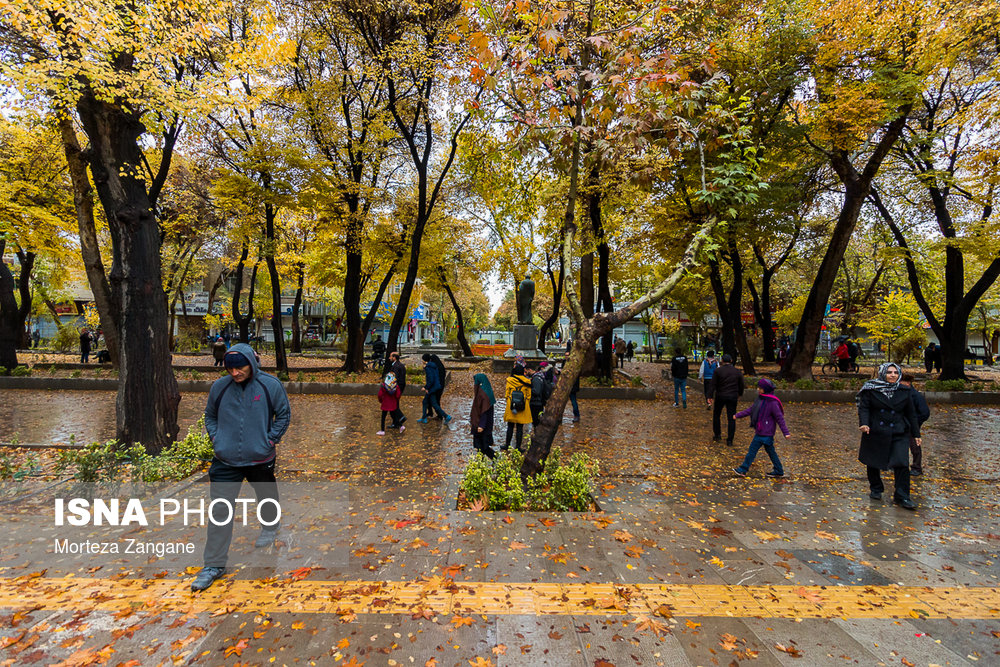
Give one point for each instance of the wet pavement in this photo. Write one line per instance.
(687, 564)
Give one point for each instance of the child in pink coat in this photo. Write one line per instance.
(388, 395)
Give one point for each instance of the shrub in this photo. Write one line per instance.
(67, 338)
(499, 341)
(805, 383)
(483, 341)
(75, 374)
(300, 376)
(21, 371)
(837, 384)
(188, 342)
(425, 342)
(110, 462)
(946, 385)
(557, 487)
(283, 376)
(17, 470)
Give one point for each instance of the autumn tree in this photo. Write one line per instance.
(950, 154)
(127, 73)
(337, 95)
(34, 205)
(646, 83)
(867, 67)
(409, 44)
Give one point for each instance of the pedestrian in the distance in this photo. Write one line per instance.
(572, 399)
(481, 416)
(443, 375)
(246, 415)
(517, 399)
(395, 366)
(929, 357)
(659, 351)
(388, 396)
(219, 350)
(432, 386)
(84, 346)
(539, 394)
(706, 373)
(576, 388)
(36, 336)
(726, 390)
(679, 370)
(766, 416)
(630, 351)
(619, 350)
(923, 414)
(887, 420)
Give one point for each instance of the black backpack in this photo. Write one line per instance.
(516, 401)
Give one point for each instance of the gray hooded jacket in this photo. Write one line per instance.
(246, 421)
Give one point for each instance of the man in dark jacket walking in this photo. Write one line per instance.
(246, 415)
(923, 414)
(539, 394)
(84, 346)
(727, 388)
(433, 385)
(679, 371)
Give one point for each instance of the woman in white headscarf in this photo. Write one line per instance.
(887, 420)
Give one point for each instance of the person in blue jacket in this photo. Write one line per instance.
(434, 383)
(246, 415)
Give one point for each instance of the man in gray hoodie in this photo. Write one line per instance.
(246, 415)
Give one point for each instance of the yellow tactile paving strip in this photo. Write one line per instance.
(444, 596)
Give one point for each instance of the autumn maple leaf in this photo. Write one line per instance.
(643, 623)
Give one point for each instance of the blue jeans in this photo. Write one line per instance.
(431, 403)
(768, 444)
(576, 406)
(681, 385)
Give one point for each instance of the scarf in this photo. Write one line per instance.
(480, 380)
(880, 384)
(390, 383)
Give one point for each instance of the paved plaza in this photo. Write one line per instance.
(684, 564)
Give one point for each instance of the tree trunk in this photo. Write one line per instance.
(463, 343)
(857, 185)
(146, 407)
(296, 328)
(373, 311)
(758, 315)
(214, 289)
(736, 309)
(243, 320)
(557, 287)
(354, 359)
(722, 304)
(83, 202)
(803, 349)
(10, 334)
(951, 330)
(587, 284)
(27, 261)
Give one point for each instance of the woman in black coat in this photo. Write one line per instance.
(887, 420)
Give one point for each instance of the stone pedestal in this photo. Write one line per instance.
(525, 344)
(526, 339)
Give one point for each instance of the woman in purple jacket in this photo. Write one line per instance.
(766, 416)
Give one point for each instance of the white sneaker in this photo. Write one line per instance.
(380, 433)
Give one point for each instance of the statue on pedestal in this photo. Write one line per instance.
(525, 295)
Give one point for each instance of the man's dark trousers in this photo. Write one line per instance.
(729, 404)
(226, 482)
